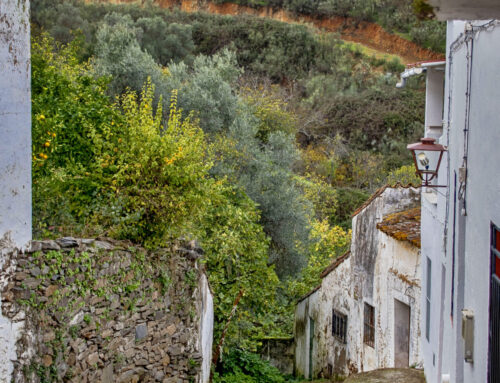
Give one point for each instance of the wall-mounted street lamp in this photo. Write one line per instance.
(427, 157)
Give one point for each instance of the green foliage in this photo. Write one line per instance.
(349, 199)
(327, 243)
(268, 107)
(239, 366)
(219, 161)
(119, 55)
(206, 89)
(74, 124)
(166, 42)
(153, 185)
(160, 170)
(405, 175)
(423, 9)
(236, 258)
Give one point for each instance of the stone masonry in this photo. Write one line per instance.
(106, 311)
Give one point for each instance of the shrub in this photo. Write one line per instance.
(239, 366)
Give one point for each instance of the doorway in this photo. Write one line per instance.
(401, 334)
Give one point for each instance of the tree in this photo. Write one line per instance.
(119, 55)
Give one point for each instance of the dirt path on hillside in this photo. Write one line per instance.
(368, 34)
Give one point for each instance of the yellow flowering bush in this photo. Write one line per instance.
(161, 177)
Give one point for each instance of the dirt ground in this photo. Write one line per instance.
(389, 375)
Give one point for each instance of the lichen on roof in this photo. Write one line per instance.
(403, 226)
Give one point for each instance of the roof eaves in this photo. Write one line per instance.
(336, 263)
(309, 293)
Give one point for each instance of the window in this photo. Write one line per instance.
(339, 326)
(369, 318)
(494, 333)
(428, 282)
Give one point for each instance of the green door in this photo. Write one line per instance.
(311, 346)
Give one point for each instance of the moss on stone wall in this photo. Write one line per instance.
(104, 311)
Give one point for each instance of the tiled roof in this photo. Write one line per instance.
(404, 226)
(335, 264)
(379, 192)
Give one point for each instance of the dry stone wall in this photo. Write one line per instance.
(107, 311)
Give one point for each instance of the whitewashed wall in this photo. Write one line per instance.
(206, 328)
(456, 235)
(15, 122)
(15, 152)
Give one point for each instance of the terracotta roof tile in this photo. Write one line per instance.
(404, 226)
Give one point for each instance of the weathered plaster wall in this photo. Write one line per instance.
(398, 278)
(107, 311)
(335, 293)
(305, 310)
(15, 151)
(15, 121)
(207, 327)
(369, 267)
(378, 270)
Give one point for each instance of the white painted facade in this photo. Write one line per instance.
(15, 153)
(381, 271)
(456, 220)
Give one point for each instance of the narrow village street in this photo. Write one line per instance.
(386, 375)
(389, 375)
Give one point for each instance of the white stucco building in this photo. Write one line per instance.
(460, 235)
(365, 314)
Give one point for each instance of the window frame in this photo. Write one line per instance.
(369, 325)
(339, 323)
(494, 306)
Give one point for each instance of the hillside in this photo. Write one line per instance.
(366, 33)
(369, 34)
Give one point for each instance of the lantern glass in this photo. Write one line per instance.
(427, 161)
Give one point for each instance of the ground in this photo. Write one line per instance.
(389, 375)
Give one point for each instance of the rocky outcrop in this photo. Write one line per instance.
(107, 311)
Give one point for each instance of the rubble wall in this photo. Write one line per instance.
(107, 311)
